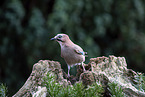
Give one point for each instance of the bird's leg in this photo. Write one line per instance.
(83, 66)
(68, 70)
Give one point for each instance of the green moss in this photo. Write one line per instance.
(3, 90)
(143, 83)
(139, 82)
(77, 90)
(115, 90)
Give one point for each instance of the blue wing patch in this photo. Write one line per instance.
(83, 53)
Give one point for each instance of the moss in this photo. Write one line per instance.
(3, 90)
(115, 90)
(77, 90)
(139, 81)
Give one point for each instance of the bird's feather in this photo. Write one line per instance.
(72, 53)
(79, 50)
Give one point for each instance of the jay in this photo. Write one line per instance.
(72, 53)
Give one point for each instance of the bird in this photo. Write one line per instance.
(72, 53)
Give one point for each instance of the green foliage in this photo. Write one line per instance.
(93, 90)
(143, 82)
(3, 90)
(139, 82)
(100, 27)
(115, 90)
(78, 90)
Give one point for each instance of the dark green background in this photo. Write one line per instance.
(100, 27)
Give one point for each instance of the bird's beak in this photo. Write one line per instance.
(53, 39)
(56, 38)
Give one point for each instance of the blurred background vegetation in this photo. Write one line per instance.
(100, 27)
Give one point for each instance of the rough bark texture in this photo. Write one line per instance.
(101, 69)
(40, 70)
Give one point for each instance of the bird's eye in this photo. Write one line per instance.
(59, 36)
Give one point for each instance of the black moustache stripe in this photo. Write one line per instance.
(59, 39)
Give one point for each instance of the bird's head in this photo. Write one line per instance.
(61, 38)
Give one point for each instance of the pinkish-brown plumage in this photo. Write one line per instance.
(72, 53)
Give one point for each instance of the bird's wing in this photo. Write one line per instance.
(79, 50)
